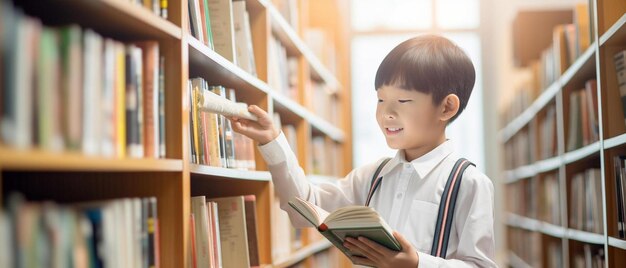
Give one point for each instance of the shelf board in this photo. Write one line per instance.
(527, 115)
(288, 36)
(229, 173)
(582, 153)
(304, 253)
(286, 104)
(521, 173)
(586, 237)
(208, 64)
(615, 141)
(522, 222)
(583, 69)
(616, 34)
(552, 230)
(120, 19)
(40, 160)
(617, 243)
(517, 262)
(548, 164)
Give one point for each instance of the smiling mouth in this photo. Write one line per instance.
(391, 130)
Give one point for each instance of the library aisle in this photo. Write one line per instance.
(116, 150)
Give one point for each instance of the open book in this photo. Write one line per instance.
(211, 102)
(350, 221)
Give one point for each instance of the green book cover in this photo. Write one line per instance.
(349, 221)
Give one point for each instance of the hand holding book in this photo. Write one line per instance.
(360, 233)
(262, 130)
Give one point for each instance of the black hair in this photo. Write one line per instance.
(430, 64)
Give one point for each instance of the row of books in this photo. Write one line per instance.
(110, 233)
(67, 88)
(322, 45)
(325, 103)
(549, 203)
(583, 124)
(585, 201)
(223, 232)
(592, 256)
(285, 238)
(547, 129)
(522, 202)
(570, 41)
(620, 70)
(619, 164)
(289, 10)
(327, 157)
(518, 150)
(224, 26)
(282, 74)
(158, 7)
(212, 139)
(526, 245)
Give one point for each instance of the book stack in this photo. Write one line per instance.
(282, 70)
(619, 163)
(109, 233)
(592, 256)
(212, 139)
(548, 131)
(223, 232)
(583, 117)
(549, 203)
(158, 7)
(321, 44)
(289, 10)
(326, 157)
(518, 150)
(620, 70)
(585, 201)
(224, 26)
(68, 88)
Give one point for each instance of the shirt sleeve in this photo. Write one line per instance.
(474, 221)
(290, 181)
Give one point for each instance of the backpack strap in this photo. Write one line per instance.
(375, 181)
(446, 208)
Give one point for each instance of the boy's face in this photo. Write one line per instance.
(408, 118)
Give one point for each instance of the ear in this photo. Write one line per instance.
(449, 107)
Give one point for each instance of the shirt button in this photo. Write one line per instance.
(407, 165)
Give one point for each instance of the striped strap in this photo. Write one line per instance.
(375, 182)
(446, 208)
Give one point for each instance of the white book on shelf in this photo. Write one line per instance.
(213, 103)
(196, 19)
(222, 27)
(92, 87)
(200, 212)
(243, 38)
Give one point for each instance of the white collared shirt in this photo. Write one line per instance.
(408, 199)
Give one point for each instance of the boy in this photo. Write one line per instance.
(423, 84)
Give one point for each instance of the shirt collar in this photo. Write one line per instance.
(423, 164)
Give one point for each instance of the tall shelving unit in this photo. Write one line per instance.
(526, 179)
(73, 177)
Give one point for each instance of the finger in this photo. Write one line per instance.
(380, 249)
(353, 248)
(263, 116)
(362, 261)
(366, 250)
(406, 245)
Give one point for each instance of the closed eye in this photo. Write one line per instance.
(404, 101)
(379, 100)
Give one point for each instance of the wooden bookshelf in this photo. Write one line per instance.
(74, 177)
(596, 62)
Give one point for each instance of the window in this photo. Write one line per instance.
(376, 33)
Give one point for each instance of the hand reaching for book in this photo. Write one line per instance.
(382, 257)
(262, 131)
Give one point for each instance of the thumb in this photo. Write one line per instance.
(406, 245)
(261, 114)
